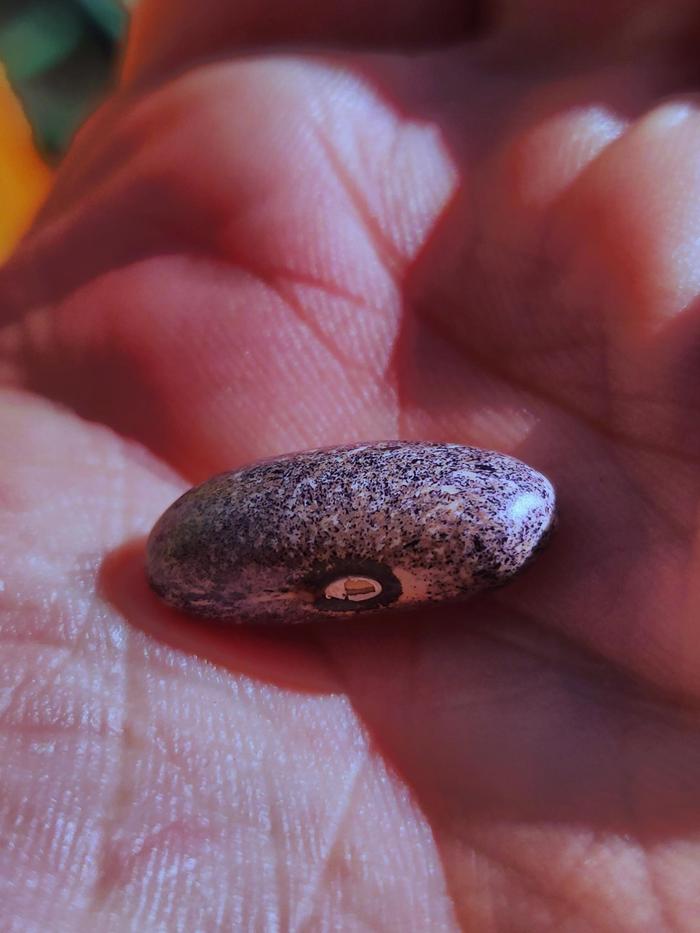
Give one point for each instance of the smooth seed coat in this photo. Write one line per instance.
(349, 530)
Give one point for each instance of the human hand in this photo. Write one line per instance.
(479, 232)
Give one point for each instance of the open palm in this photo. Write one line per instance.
(492, 240)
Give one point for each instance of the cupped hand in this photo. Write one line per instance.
(292, 227)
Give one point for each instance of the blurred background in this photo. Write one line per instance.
(57, 60)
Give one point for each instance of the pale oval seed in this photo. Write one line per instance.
(348, 530)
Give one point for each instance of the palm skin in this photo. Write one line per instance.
(492, 242)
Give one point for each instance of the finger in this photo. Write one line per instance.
(624, 239)
(168, 35)
(252, 280)
(594, 309)
(630, 228)
(601, 27)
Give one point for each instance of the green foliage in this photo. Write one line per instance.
(108, 15)
(38, 38)
(59, 56)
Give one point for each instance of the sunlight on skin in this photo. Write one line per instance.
(129, 768)
(493, 242)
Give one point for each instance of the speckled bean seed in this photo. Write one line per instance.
(348, 530)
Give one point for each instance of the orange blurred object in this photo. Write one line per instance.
(24, 177)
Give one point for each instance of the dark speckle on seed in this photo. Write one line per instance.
(349, 530)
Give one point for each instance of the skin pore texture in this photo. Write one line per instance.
(479, 226)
